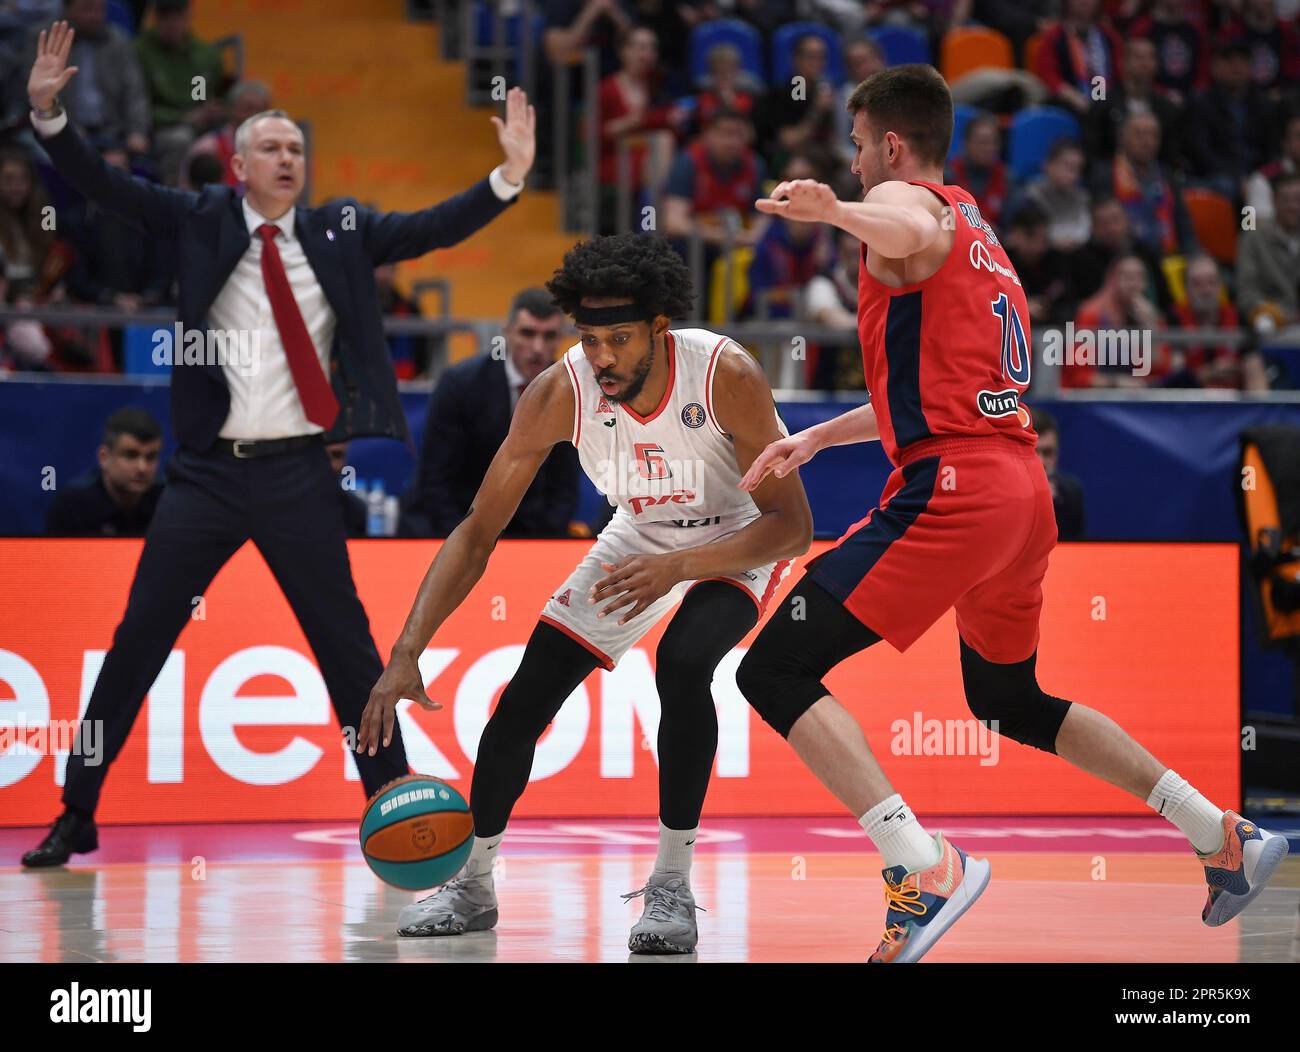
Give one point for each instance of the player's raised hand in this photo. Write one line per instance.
(805, 200)
(517, 135)
(400, 679)
(50, 72)
(780, 458)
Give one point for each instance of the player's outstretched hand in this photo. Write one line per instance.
(806, 200)
(50, 72)
(401, 679)
(517, 135)
(641, 579)
(779, 458)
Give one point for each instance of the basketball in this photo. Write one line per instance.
(416, 832)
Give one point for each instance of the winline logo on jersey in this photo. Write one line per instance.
(1123, 348)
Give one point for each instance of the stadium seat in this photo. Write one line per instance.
(742, 35)
(1215, 223)
(1031, 51)
(485, 29)
(962, 114)
(137, 351)
(1032, 134)
(973, 47)
(901, 44)
(784, 40)
(119, 14)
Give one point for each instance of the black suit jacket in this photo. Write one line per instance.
(343, 242)
(469, 417)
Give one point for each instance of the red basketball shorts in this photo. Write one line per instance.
(962, 522)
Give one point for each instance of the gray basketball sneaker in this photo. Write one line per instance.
(462, 905)
(667, 923)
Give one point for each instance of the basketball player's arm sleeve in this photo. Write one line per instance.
(892, 220)
(543, 418)
(745, 410)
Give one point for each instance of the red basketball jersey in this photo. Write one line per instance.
(949, 355)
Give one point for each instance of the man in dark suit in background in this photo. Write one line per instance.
(469, 416)
(117, 498)
(1067, 491)
(279, 349)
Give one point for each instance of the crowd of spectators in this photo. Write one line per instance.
(1184, 112)
(1174, 103)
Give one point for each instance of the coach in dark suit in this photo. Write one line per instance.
(469, 416)
(281, 349)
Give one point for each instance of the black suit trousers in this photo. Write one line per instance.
(287, 504)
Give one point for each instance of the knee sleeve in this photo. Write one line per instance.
(778, 685)
(811, 633)
(1008, 699)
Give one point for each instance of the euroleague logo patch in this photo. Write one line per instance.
(693, 415)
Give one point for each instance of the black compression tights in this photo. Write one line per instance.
(711, 620)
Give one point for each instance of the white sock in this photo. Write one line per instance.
(676, 851)
(898, 836)
(1198, 819)
(481, 857)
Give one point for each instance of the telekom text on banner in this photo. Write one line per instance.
(238, 725)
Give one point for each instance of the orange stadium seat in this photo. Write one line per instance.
(973, 47)
(1031, 51)
(1215, 223)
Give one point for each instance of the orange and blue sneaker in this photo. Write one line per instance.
(1239, 870)
(925, 904)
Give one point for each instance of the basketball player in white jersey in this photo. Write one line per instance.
(666, 422)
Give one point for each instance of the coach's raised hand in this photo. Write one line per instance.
(50, 72)
(517, 135)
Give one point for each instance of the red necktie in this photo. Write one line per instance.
(318, 401)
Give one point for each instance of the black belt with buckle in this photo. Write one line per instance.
(249, 448)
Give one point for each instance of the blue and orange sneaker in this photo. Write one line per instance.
(1239, 870)
(925, 904)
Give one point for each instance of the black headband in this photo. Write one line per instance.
(610, 315)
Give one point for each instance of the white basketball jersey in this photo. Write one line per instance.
(674, 464)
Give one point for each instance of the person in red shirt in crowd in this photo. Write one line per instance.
(727, 86)
(1077, 51)
(1274, 45)
(713, 184)
(1121, 307)
(633, 102)
(980, 168)
(1183, 58)
(245, 99)
(1212, 365)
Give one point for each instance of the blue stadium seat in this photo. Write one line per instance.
(137, 351)
(901, 44)
(1033, 132)
(483, 30)
(784, 40)
(120, 14)
(742, 35)
(962, 115)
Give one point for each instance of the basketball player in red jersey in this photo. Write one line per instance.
(965, 521)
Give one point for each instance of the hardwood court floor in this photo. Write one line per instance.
(775, 890)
